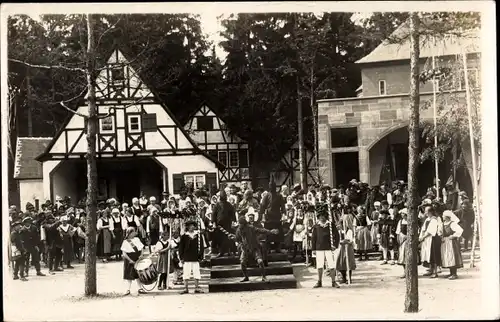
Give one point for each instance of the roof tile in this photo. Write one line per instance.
(27, 149)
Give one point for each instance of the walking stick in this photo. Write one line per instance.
(169, 253)
(306, 229)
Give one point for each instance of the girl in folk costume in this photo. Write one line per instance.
(402, 234)
(299, 232)
(363, 238)
(430, 240)
(374, 219)
(287, 222)
(162, 248)
(325, 241)
(450, 247)
(67, 231)
(105, 236)
(124, 210)
(153, 226)
(131, 250)
(136, 208)
(143, 201)
(387, 235)
(117, 241)
(310, 221)
(345, 262)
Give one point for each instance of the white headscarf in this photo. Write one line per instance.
(451, 215)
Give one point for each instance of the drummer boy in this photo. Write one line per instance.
(191, 250)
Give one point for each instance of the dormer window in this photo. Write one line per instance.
(205, 123)
(382, 89)
(118, 80)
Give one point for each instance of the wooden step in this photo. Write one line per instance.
(233, 284)
(233, 260)
(274, 268)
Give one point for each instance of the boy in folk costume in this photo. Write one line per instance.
(402, 234)
(387, 235)
(298, 227)
(18, 252)
(450, 247)
(325, 241)
(191, 250)
(31, 240)
(310, 221)
(247, 239)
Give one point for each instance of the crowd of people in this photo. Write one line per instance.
(236, 220)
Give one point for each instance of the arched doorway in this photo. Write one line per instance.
(388, 158)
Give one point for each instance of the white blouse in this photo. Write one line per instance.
(127, 247)
(432, 229)
(159, 245)
(457, 230)
(100, 224)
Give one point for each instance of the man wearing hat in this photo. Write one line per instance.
(248, 241)
(18, 252)
(222, 217)
(324, 242)
(54, 243)
(31, 238)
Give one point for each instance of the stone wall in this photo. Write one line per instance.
(375, 117)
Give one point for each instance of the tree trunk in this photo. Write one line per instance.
(302, 152)
(411, 250)
(30, 105)
(314, 109)
(91, 229)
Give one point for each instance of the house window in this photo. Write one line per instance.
(134, 123)
(223, 157)
(118, 74)
(233, 159)
(344, 137)
(382, 90)
(205, 123)
(196, 181)
(107, 124)
(149, 122)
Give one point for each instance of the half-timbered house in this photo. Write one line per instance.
(212, 136)
(140, 144)
(287, 172)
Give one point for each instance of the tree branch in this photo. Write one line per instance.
(74, 69)
(72, 111)
(106, 31)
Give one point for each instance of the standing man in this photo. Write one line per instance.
(54, 243)
(271, 209)
(18, 251)
(31, 239)
(222, 217)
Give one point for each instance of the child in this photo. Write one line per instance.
(345, 259)
(325, 240)
(402, 233)
(450, 247)
(132, 250)
(162, 248)
(191, 250)
(387, 235)
(374, 220)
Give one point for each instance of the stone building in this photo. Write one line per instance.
(366, 137)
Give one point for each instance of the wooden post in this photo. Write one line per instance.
(169, 252)
(434, 111)
(411, 250)
(473, 154)
(164, 172)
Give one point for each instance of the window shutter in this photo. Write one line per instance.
(243, 158)
(178, 183)
(211, 181)
(149, 122)
(213, 153)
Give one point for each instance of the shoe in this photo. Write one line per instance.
(184, 291)
(427, 274)
(402, 276)
(51, 272)
(393, 263)
(317, 285)
(453, 277)
(434, 276)
(126, 293)
(58, 270)
(24, 279)
(70, 267)
(383, 263)
(40, 274)
(160, 288)
(16, 278)
(245, 279)
(344, 281)
(141, 291)
(26, 274)
(447, 276)
(264, 279)
(335, 284)
(198, 291)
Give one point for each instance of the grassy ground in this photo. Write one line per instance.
(377, 292)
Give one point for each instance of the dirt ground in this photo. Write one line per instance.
(377, 292)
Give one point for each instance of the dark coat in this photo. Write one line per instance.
(223, 214)
(321, 240)
(31, 236)
(272, 206)
(191, 249)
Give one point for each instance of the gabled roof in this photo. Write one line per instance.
(42, 156)
(25, 164)
(429, 45)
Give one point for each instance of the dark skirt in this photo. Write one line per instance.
(104, 243)
(67, 249)
(162, 265)
(154, 236)
(345, 258)
(129, 272)
(435, 253)
(363, 238)
(401, 250)
(450, 254)
(387, 242)
(116, 243)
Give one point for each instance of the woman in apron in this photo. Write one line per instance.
(67, 231)
(450, 247)
(402, 233)
(431, 243)
(374, 226)
(363, 238)
(117, 232)
(131, 250)
(299, 232)
(104, 237)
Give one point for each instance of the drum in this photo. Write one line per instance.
(146, 270)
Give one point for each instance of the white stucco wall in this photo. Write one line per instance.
(48, 166)
(29, 190)
(186, 163)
